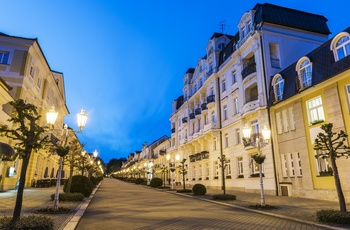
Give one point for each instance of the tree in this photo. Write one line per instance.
(329, 144)
(73, 159)
(183, 171)
(115, 165)
(223, 166)
(28, 136)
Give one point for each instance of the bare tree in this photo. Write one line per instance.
(332, 145)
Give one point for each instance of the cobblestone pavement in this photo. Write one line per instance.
(121, 205)
(33, 199)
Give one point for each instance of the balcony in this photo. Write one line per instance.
(248, 70)
(197, 112)
(248, 144)
(198, 156)
(204, 106)
(185, 120)
(192, 158)
(210, 126)
(249, 106)
(210, 100)
(205, 154)
(192, 116)
(173, 130)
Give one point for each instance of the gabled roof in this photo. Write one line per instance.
(217, 35)
(323, 67)
(290, 17)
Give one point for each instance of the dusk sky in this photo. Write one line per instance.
(123, 61)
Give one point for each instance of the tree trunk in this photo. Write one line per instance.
(223, 176)
(340, 194)
(69, 183)
(20, 190)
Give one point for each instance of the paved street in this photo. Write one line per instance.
(121, 205)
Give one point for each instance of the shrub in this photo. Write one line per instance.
(224, 197)
(138, 181)
(96, 180)
(69, 197)
(199, 189)
(80, 184)
(184, 191)
(333, 216)
(32, 222)
(156, 182)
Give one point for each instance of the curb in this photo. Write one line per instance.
(313, 224)
(73, 222)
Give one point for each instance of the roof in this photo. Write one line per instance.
(291, 18)
(323, 67)
(217, 35)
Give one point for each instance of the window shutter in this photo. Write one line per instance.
(279, 122)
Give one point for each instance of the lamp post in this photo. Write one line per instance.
(259, 158)
(168, 161)
(62, 150)
(83, 162)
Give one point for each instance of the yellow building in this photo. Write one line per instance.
(312, 91)
(25, 69)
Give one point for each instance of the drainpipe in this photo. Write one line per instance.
(220, 132)
(268, 111)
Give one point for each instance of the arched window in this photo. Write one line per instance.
(340, 45)
(278, 87)
(304, 69)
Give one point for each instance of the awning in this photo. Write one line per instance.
(6, 152)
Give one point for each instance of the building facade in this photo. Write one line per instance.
(26, 71)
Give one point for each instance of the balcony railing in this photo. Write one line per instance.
(184, 120)
(204, 106)
(192, 116)
(248, 70)
(173, 130)
(210, 99)
(197, 111)
(249, 106)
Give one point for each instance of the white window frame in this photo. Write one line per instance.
(223, 85)
(315, 110)
(304, 70)
(225, 112)
(4, 57)
(234, 76)
(213, 116)
(254, 167)
(291, 164)
(228, 171)
(278, 87)
(240, 166)
(238, 136)
(235, 106)
(322, 164)
(344, 46)
(226, 140)
(216, 169)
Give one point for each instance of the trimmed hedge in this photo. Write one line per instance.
(156, 182)
(69, 197)
(80, 184)
(139, 181)
(96, 180)
(199, 189)
(333, 216)
(224, 197)
(32, 222)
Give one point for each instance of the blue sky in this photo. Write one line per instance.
(123, 61)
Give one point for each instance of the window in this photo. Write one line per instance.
(240, 165)
(234, 77)
(216, 169)
(254, 167)
(291, 165)
(225, 112)
(278, 87)
(207, 170)
(213, 116)
(342, 47)
(284, 165)
(315, 110)
(32, 71)
(235, 106)
(214, 144)
(226, 140)
(255, 126)
(238, 136)
(211, 91)
(39, 82)
(4, 57)
(347, 92)
(221, 46)
(199, 171)
(223, 85)
(274, 55)
(228, 168)
(304, 70)
(323, 166)
(194, 172)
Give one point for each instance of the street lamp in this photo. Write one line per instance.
(95, 153)
(259, 158)
(62, 150)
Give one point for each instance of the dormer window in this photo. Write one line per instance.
(304, 70)
(278, 87)
(4, 57)
(221, 46)
(341, 46)
(210, 50)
